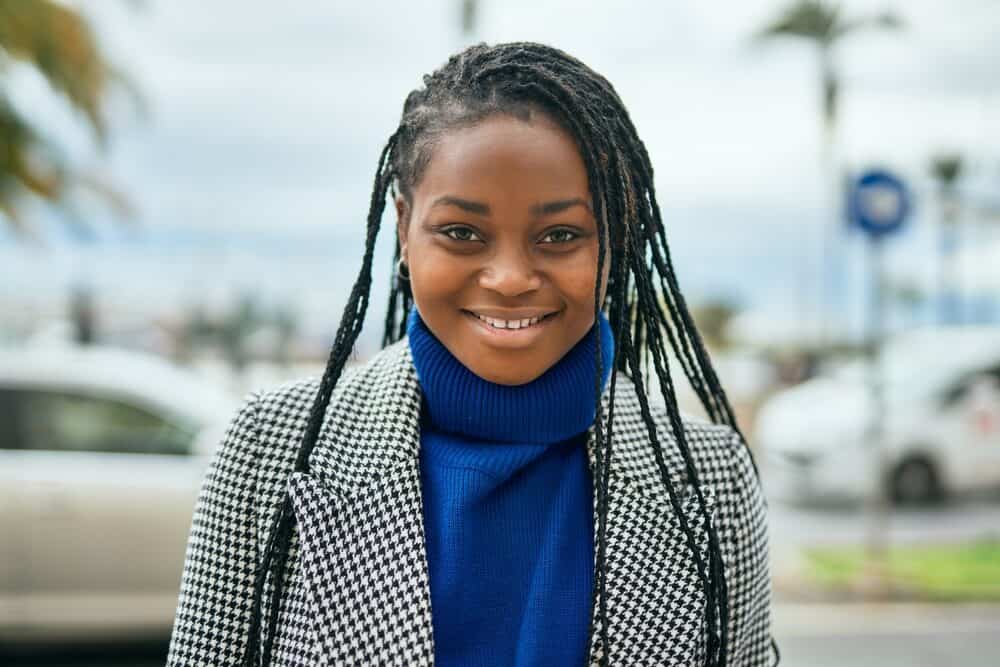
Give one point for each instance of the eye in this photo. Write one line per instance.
(560, 236)
(461, 234)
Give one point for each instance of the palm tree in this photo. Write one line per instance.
(824, 26)
(470, 16)
(57, 41)
(946, 169)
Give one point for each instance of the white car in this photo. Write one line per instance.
(102, 452)
(942, 423)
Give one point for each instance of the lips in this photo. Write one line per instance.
(511, 337)
(511, 323)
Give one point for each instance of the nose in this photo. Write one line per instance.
(510, 273)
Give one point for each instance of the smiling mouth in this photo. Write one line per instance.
(511, 325)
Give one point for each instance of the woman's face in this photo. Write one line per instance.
(501, 228)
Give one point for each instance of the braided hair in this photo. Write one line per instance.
(643, 298)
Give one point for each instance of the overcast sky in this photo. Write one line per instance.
(289, 109)
(267, 119)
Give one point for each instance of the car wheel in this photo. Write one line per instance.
(915, 482)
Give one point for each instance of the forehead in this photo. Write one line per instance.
(503, 158)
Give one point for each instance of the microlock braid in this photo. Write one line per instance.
(643, 298)
(276, 548)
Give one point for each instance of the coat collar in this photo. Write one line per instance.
(360, 519)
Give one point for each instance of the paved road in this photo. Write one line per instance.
(888, 635)
(971, 649)
(809, 635)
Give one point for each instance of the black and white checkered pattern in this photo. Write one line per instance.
(357, 589)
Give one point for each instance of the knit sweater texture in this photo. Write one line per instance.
(508, 505)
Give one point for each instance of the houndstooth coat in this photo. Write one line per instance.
(357, 585)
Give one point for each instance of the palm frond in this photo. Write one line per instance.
(883, 21)
(806, 19)
(32, 167)
(59, 42)
(56, 40)
(26, 160)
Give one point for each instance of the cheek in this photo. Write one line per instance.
(434, 276)
(576, 277)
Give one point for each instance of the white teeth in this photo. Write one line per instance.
(508, 324)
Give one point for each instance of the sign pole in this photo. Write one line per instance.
(879, 203)
(878, 498)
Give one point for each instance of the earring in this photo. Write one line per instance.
(402, 271)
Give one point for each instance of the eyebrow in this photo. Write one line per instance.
(548, 208)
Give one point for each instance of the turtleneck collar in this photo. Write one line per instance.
(553, 407)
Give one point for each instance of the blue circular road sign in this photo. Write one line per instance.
(878, 202)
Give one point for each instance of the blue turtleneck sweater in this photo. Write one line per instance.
(508, 508)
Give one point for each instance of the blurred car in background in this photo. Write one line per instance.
(942, 423)
(102, 452)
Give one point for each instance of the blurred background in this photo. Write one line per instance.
(183, 187)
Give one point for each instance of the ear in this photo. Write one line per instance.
(402, 223)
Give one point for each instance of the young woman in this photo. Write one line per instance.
(495, 486)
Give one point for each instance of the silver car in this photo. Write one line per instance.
(102, 452)
(942, 423)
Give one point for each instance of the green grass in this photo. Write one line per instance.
(959, 572)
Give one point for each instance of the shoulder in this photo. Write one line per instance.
(282, 411)
(719, 456)
(709, 443)
(726, 468)
(286, 406)
(715, 448)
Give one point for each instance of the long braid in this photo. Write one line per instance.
(276, 548)
(618, 276)
(603, 449)
(655, 344)
(400, 294)
(643, 295)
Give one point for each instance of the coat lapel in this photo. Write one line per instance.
(360, 521)
(365, 570)
(362, 551)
